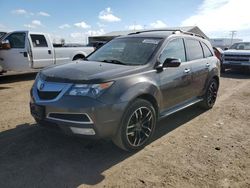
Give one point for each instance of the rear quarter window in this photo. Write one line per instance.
(38, 41)
(206, 50)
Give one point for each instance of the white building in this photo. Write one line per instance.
(223, 42)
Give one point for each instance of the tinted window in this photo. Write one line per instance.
(130, 51)
(194, 49)
(38, 41)
(17, 40)
(207, 52)
(241, 46)
(174, 49)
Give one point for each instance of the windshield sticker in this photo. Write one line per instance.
(151, 41)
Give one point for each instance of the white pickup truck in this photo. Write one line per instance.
(24, 51)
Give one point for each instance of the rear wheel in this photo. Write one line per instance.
(79, 57)
(137, 126)
(210, 95)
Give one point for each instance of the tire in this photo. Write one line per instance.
(211, 95)
(79, 57)
(133, 134)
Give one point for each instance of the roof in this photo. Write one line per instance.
(193, 29)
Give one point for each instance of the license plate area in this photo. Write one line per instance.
(37, 111)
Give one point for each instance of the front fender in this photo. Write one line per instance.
(142, 89)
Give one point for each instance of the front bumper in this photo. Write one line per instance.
(78, 115)
(236, 65)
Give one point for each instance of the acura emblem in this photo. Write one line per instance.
(41, 86)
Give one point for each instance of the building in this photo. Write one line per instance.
(109, 36)
(223, 42)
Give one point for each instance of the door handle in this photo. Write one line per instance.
(49, 51)
(187, 70)
(25, 54)
(207, 65)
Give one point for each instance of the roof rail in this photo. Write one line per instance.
(192, 34)
(174, 31)
(153, 30)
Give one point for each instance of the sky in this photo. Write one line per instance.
(75, 20)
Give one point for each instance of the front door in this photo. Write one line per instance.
(17, 57)
(175, 81)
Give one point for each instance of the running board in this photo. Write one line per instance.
(172, 111)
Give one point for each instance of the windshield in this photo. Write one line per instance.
(241, 46)
(127, 51)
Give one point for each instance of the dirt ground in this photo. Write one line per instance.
(193, 148)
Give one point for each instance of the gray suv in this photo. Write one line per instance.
(123, 88)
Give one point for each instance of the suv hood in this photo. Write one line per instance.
(87, 72)
(238, 52)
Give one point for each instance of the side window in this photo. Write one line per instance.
(206, 50)
(17, 40)
(174, 49)
(194, 49)
(38, 41)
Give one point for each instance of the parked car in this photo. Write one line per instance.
(237, 57)
(24, 51)
(126, 86)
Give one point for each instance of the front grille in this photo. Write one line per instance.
(81, 118)
(48, 95)
(236, 57)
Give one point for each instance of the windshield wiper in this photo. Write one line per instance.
(113, 61)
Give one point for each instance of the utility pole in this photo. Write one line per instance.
(233, 33)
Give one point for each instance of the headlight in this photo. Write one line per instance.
(90, 90)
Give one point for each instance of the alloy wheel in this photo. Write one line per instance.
(139, 127)
(212, 93)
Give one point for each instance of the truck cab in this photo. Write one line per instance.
(24, 51)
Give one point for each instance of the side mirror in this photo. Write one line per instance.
(5, 44)
(171, 62)
(225, 48)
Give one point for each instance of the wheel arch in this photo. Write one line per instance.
(78, 56)
(150, 98)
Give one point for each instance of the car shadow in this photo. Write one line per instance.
(31, 156)
(17, 78)
(236, 74)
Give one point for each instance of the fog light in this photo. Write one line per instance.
(83, 131)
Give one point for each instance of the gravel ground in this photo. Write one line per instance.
(193, 148)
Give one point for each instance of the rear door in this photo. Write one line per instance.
(199, 64)
(42, 51)
(17, 57)
(175, 81)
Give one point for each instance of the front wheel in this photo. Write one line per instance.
(137, 126)
(210, 95)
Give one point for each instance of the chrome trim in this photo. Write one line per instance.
(50, 86)
(180, 108)
(70, 121)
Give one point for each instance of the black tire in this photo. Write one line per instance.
(137, 126)
(79, 57)
(211, 95)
